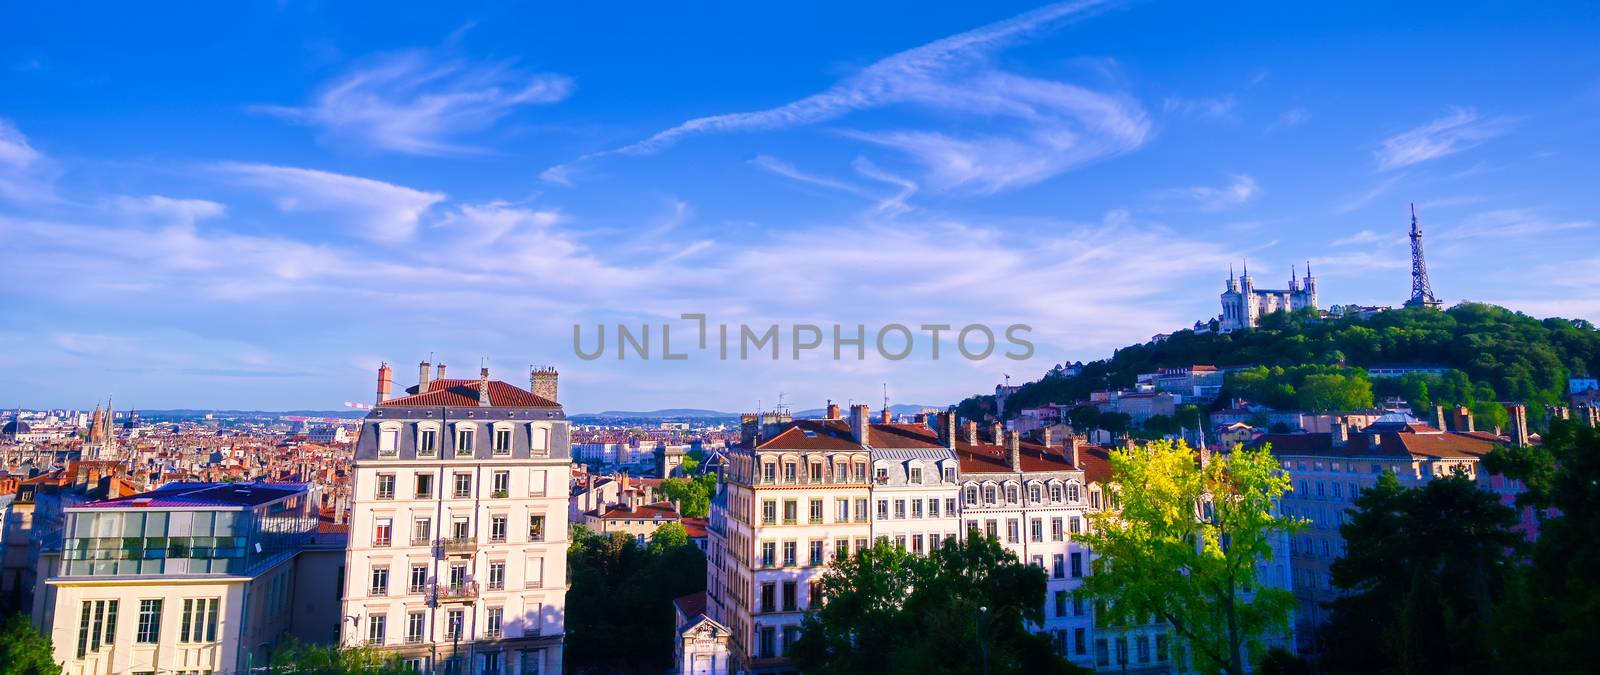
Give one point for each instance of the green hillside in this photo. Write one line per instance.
(1304, 362)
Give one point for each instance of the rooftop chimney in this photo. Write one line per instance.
(483, 386)
(997, 432)
(441, 372)
(1044, 437)
(1464, 423)
(542, 382)
(947, 428)
(859, 423)
(1438, 417)
(749, 429)
(1560, 412)
(424, 375)
(1519, 424)
(1341, 433)
(833, 411)
(887, 416)
(385, 381)
(971, 432)
(1590, 415)
(1072, 448)
(1014, 451)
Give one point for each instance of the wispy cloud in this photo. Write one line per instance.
(1506, 223)
(1364, 237)
(26, 175)
(381, 211)
(185, 211)
(1041, 127)
(1220, 108)
(417, 103)
(1460, 130)
(1240, 189)
(1290, 119)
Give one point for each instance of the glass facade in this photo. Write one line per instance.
(174, 540)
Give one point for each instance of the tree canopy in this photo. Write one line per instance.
(24, 650)
(1423, 572)
(692, 495)
(619, 607)
(292, 657)
(1182, 543)
(884, 604)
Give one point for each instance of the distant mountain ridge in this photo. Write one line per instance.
(664, 413)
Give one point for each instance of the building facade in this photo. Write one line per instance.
(458, 532)
(1243, 304)
(188, 578)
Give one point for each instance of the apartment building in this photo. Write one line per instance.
(1330, 470)
(914, 484)
(458, 533)
(188, 578)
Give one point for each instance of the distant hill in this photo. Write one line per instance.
(1492, 355)
(665, 413)
(202, 412)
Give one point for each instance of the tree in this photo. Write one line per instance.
(1423, 572)
(24, 650)
(1182, 544)
(1554, 612)
(619, 607)
(884, 603)
(692, 495)
(1084, 417)
(293, 656)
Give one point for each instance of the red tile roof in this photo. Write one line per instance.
(465, 393)
(696, 527)
(691, 605)
(1394, 445)
(659, 511)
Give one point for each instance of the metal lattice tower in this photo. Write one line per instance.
(1421, 290)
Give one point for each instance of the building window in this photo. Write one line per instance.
(421, 532)
(816, 472)
(916, 475)
(418, 582)
(767, 646)
(1055, 492)
(1059, 569)
(502, 442)
(1055, 529)
(1077, 564)
(769, 473)
(816, 511)
(900, 509)
(933, 508)
(881, 474)
(790, 549)
(428, 443)
(841, 549)
(989, 495)
(97, 627)
(461, 529)
(388, 442)
(1061, 603)
(992, 528)
(790, 602)
(497, 527)
(149, 622)
(861, 472)
(492, 621)
(501, 484)
(463, 485)
(1102, 653)
(380, 581)
(536, 528)
(416, 622)
(497, 575)
(199, 620)
(1161, 648)
(841, 510)
(1012, 534)
(464, 442)
(382, 531)
(916, 508)
(769, 512)
(972, 495)
(861, 510)
(883, 509)
(1078, 641)
(454, 621)
(933, 541)
(1035, 494)
(424, 486)
(1077, 525)
(377, 627)
(791, 512)
(769, 554)
(769, 597)
(1142, 647)
(816, 551)
(1036, 530)
(789, 473)
(385, 486)
(949, 475)
(950, 506)
(1072, 493)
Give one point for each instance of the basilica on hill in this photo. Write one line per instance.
(1243, 304)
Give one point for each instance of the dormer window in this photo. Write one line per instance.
(500, 442)
(388, 439)
(916, 475)
(464, 440)
(427, 442)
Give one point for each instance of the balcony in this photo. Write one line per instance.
(459, 546)
(462, 592)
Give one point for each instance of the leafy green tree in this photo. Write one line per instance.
(1116, 422)
(1554, 615)
(1326, 392)
(24, 650)
(1160, 425)
(1182, 544)
(1084, 417)
(1423, 572)
(619, 607)
(692, 495)
(884, 603)
(293, 656)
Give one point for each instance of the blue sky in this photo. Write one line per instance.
(251, 204)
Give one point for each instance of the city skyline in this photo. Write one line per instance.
(250, 207)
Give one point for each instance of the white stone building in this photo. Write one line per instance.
(1243, 304)
(458, 532)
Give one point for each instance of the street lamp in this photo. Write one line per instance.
(983, 647)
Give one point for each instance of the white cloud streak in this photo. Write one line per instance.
(1043, 127)
(414, 103)
(1460, 130)
(1239, 190)
(382, 212)
(26, 175)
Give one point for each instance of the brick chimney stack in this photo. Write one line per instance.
(1044, 437)
(483, 386)
(1073, 444)
(1341, 432)
(859, 422)
(1464, 423)
(424, 375)
(542, 382)
(971, 432)
(997, 432)
(947, 428)
(833, 411)
(441, 372)
(1014, 451)
(1519, 424)
(887, 416)
(385, 382)
(1438, 417)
